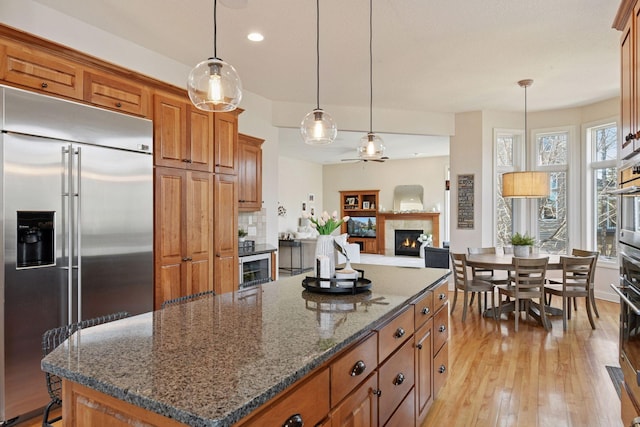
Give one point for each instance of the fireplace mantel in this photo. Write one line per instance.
(433, 217)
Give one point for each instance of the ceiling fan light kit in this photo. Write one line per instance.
(318, 127)
(213, 84)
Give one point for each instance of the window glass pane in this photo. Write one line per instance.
(504, 217)
(504, 150)
(606, 211)
(552, 216)
(552, 149)
(605, 143)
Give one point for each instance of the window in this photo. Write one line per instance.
(601, 161)
(507, 144)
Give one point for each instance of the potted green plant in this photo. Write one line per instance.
(521, 244)
(241, 235)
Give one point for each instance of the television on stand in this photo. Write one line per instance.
(362, 226)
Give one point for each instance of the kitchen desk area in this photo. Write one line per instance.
(266, 355)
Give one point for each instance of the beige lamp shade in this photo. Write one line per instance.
(525, 184)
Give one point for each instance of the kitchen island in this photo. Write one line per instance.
(237, 358)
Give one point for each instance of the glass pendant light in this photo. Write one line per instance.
(371, 145)
(318, 127)
(213, 84)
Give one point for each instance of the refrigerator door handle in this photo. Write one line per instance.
(67, 183)
(78, 230)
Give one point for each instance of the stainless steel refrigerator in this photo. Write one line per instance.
(76, 224)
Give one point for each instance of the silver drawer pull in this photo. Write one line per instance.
(425, 310)
(399, 379)
(442, 328)
(442, 369)
(294, 421)
(399, 333)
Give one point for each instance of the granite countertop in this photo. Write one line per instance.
(260, 248)
(212, 361)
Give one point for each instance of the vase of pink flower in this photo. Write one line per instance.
(326, 224)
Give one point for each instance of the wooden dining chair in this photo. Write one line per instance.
(592, 297)
(468, 285)
(576, 282)
(527, 284)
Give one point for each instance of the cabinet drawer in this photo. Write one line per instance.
(40, 71)
(440, 295)
(309, 401)
(440, 328)
(394, 333)
(396, 379)
(423, 309)
(117, 94)
(360, 408)
(441, 369)
(405, 415)
(352, 368)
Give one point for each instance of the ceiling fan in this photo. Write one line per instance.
(364, 159)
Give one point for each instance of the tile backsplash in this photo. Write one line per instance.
(255, 223)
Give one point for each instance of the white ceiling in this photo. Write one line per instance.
(444, 56)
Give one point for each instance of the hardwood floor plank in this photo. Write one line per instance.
(532, 378)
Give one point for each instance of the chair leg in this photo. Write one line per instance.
(464, 306)
(592, 297)
(543, 314)
(473, 295)
(566, 312)
(493, 305)
(455, 298)
(588, 304)
(575, 304)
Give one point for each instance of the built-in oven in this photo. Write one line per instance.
(255, 269)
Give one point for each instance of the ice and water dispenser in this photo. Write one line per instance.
(36, 243)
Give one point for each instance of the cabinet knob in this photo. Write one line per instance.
(399, 379)
(358, 368)
(294, 421)
(399, 333)
(377, 392)
(442, 328)
(44, 85)
(118, 104)
(442, 369)
(419, 346)
(425, 310)
(187, 258)
(442, 296)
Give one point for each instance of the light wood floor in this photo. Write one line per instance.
(498, 377)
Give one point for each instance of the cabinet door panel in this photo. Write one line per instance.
(226, 234)
(424, 369)
(38, 70)
(360, 408)
(249, 173)
(115, 93)
(200, 140)
(169, 128)
(226, 146)
(396, 379)
(440, 369)
(199, 237)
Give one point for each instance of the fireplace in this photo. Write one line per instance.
(407, 242)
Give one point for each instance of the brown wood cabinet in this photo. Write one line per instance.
(363, 204)
(183, 135)
(117, 93)
(33, 68)
(249, 173)
(360, 408)
(226, 235)
(184, 234)
(226, 146)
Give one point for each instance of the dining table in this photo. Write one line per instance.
(504, 262)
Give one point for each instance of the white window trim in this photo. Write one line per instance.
(518, 164)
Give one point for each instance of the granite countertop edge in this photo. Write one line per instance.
(232, 417)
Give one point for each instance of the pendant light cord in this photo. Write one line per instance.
(215, 29)
(318, 54)
(526, 136)
(370, 66)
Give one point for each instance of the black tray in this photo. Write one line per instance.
(360, 284)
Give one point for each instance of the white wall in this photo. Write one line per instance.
(297, 179)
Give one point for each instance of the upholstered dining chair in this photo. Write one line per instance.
(576, 282)
(592, 296)
(527, 283)
(468, 285)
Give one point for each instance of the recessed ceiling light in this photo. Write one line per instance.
(255, 37)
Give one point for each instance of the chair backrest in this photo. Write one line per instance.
(585, 253)
(436, 257)
(578, 270)
(477, 251)
(459, 263)
(182, 299)
(56, 336)
(530, 274)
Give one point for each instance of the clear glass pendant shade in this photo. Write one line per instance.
(214, 85)
(371, 147)
(318, 128)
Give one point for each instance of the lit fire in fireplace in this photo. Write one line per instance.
(408, 243)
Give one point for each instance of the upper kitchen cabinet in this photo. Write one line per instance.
(183, 135)
(249, 173)
(226, 137)
(116, 93)
(36, 69)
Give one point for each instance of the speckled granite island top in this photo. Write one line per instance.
(212, 361)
